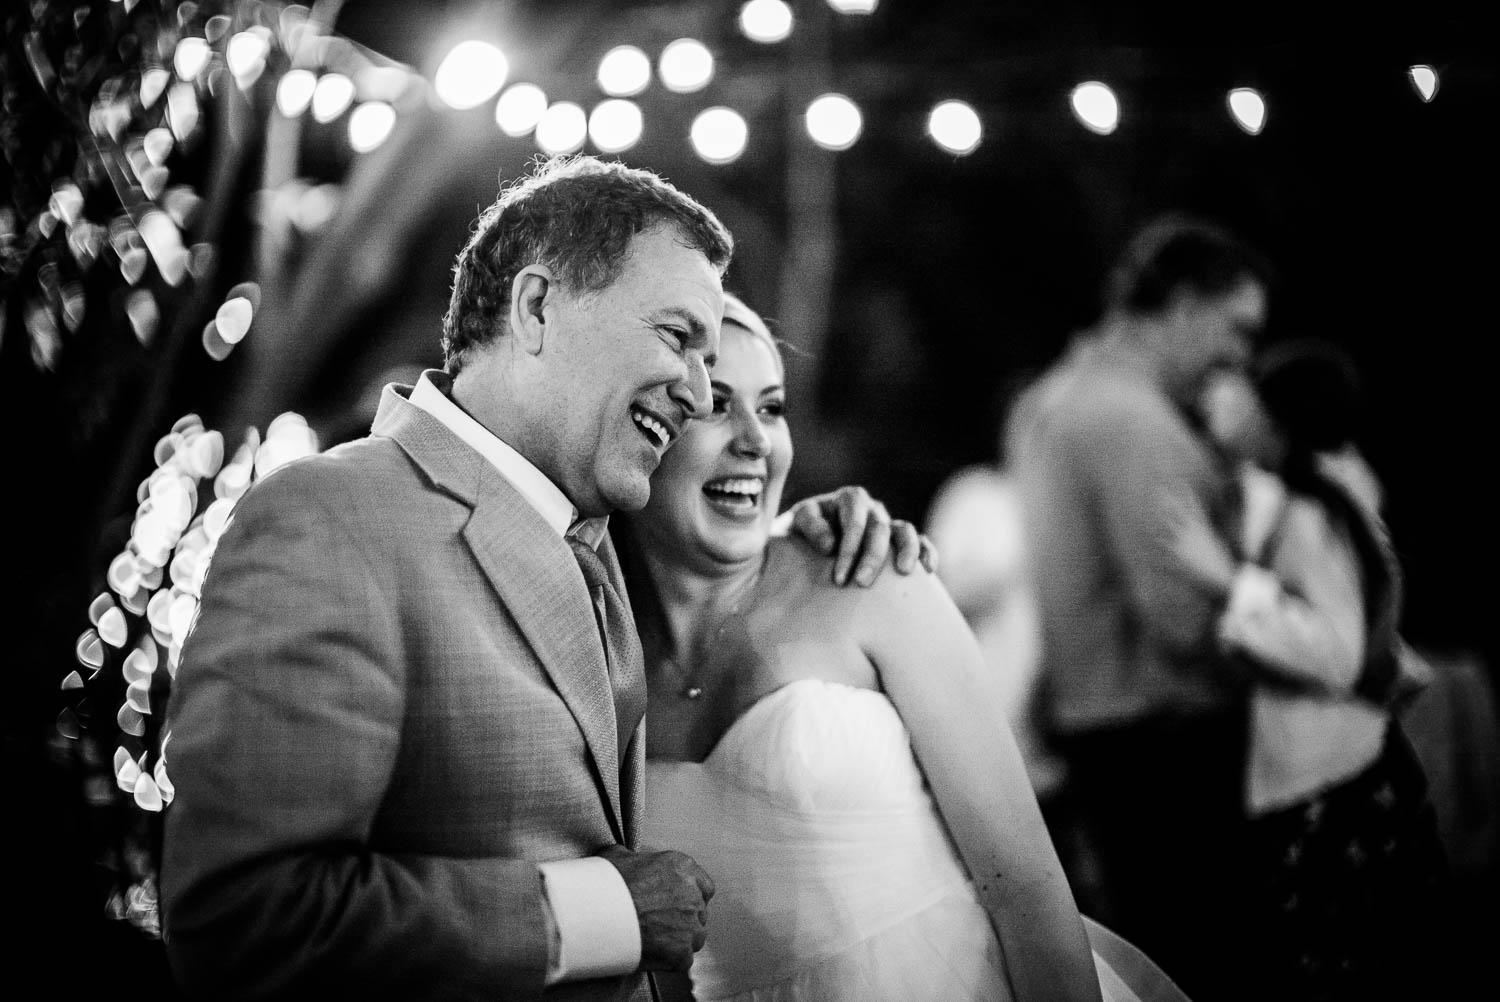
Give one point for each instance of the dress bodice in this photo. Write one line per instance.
(817, 745)
(835, 878)
(814, 821)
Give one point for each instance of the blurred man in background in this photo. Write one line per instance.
(1146, 714)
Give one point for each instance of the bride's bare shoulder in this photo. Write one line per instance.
(793, 564)
(799, 574)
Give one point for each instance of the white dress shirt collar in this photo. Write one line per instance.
(545, 496)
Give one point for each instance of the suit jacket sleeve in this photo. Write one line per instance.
(286, 719)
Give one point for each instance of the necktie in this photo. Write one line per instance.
(622, 649)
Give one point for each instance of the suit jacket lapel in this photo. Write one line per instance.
(534, 573)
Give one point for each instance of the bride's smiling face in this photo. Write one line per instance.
(719, 487)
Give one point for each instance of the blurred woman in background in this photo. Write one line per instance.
(1346, 858)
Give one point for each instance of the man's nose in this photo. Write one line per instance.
(693, 390)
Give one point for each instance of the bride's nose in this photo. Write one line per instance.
(750, 438)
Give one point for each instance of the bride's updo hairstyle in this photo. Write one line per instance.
(742, 316)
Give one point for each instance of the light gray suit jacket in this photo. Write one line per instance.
(392, 706)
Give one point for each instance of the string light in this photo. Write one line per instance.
(766, 21)
(470, 74)
(625, 71)
(191, 56)
(382, 83)
(686, 66)
(562, 129)
(955, 126)
(834, 122)
(370, 125)
(245, 54)
(1425, 79)
(332, 96)
(1095, 105)
(520, 108)
(294, 92)
(1248, 109)
(182, 111)
(615, 125)
(719, 135)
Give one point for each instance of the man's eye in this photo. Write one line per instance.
(676, 334)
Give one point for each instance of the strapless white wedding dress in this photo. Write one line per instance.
(835, 878)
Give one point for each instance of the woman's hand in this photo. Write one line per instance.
(859, 532)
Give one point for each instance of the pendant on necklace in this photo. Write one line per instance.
(692, 691)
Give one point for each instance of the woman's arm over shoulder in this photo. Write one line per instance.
(933, 671)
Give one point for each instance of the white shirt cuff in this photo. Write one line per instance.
(597, 929)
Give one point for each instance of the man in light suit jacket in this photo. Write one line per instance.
(403, 767)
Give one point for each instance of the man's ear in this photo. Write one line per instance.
(529, 300)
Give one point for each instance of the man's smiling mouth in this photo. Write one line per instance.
(654, 429)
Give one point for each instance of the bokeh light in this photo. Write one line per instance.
(314, 205)
(381, 83)
(157, 145)
(370, 125)
(1248, 109)
(686, 66)
(1096, 107)
(1425, 79)
(834, 122)
(615, 125)
(624, 71)
(854, 6)
(183, 113)
(332, 96)
(719, 135)
(294, 92)
(520, 108)
(955, 126)
(190, 57)
(470, 74)
(766, 21)
(164, 241)
(562, 129)
(246, 54)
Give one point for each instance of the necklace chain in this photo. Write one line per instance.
(692, 687)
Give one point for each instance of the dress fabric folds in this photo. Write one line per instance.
(835, 877)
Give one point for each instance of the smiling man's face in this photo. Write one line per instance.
(627, 368)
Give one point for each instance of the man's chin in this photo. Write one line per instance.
(628, 495)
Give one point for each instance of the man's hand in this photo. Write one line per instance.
(671, 895)
(857, 529)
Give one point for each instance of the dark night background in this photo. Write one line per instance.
(922, 288)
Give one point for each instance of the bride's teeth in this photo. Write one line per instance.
(745, 486)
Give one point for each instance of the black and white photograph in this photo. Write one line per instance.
(751, 500)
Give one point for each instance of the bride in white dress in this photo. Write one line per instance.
(835, 758)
